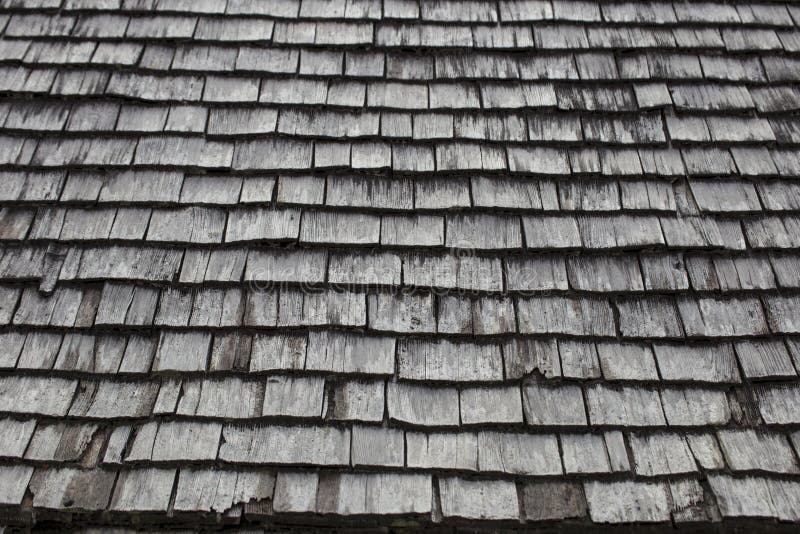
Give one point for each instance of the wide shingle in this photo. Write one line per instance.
(478, 499)
(285, 445)
(212, 490)
(350, 353)
(627, 501)
(356, 400)
(565, 315)
(448, 361)
(375, 494)
(143, 490)
(422, 405)
(625, 405)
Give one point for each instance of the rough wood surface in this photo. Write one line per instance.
(399, 265)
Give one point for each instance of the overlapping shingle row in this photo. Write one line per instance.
(356, 263)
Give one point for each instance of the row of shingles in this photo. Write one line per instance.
(544, 231)
(592, 66)
(409, 312)
(619, 272)
(658, 12)
(270, 155)
(363, 66)
(507, 126)
(652, 454)
(439, 361)
(96, 32)
(650, 272)
(503, 96)
(346, 494)
(422, 194)
(367, 193)
(251, 407)
(641, 128)
(559, 37)
(452, 275)
(627, 14)
(307, 33)
(761, 15)
(644, 128)
(500, 95)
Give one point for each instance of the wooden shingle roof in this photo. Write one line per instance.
(399, 263)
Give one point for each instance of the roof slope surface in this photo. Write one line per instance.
(364, 262)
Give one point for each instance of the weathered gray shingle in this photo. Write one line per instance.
(375, 494)
(553, 405)
(448, 361)
(350, 353)
(285, 445)
(627, 501)
(565, 315)
(422, 405)
(624, 405)
(478, 499)
(143, 490)
(695, 406)
(217, 490)
(356, 400)
(748, 449)
(490, 404)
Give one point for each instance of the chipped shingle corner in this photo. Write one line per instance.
(399, 264)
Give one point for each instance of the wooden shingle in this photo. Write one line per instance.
(448, 361)
(285, 445)
(627, 501)
(553, 405)
(422, 405)
(356, 400)
(216, 490)
(143, 490)
(478, 499)
(625, 405)
(386, 494)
